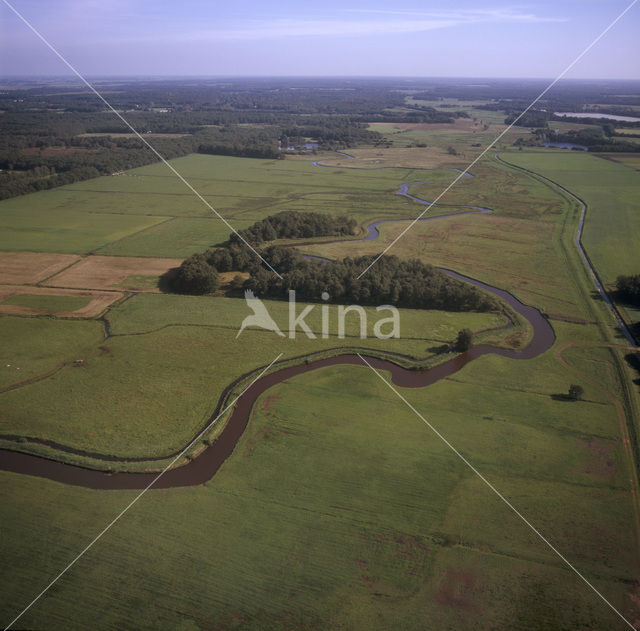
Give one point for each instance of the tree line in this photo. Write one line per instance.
(292, 224)
(391, 280)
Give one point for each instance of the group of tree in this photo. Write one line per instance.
(403, 283)
(531, 118)
(291, 224)
(629, 289)
(464, 341)
(594, 137)
(195, 276)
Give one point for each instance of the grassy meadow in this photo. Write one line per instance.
(339, 508)
(166, 364)
(149, 212)
(613, 209)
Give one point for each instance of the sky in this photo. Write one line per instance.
(412, 38)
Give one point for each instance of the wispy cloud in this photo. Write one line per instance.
(463, 16)
(393, 23)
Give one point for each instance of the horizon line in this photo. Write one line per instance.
(135, 76)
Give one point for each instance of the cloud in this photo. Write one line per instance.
(394, 23)
(84, 22)
(464, 16)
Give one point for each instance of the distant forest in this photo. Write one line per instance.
(46, 128)
(46, 132)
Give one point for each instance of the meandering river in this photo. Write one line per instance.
(204, 466)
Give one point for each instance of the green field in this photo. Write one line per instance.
(151, 213)
(339, 508)
(610, 191)
(328, 517)
(166, 364)
(32, 347)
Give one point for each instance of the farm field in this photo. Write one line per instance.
(609, 188)
(338, 507)
(38, 300)
(468, 136)
(610, 192)
(109, 272)
(148, 212)
(51, 303)
(327, 516)
(166, 362)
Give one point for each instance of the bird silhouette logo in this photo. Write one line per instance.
(260, 316)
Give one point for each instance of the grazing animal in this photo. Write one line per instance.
(260, 315)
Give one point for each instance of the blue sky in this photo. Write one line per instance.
(329, 38)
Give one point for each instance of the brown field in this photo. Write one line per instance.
(100, 300)
(107, 272)
(21, 268)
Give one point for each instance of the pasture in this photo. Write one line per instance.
(613, 209)
(47, 303)
(38, 300)
(168, 359)
(149, 212)
(339, 508)
(327, 516)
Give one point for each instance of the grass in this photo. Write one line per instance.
(149, 212)
(328, 517)
(338, 508)
(140, 282)
(39, 223)
(461, 135)
(514, 248)
(610, 191)
(181, 236)
(36, 346)
(609, 188)
(168, 362)
(50, 303)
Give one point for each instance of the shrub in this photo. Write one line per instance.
(464, 340)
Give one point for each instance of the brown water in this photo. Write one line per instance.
(210, 460)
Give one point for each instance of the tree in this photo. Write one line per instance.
(575, 392)
(195, 276)
(629, 288)
(464, 341)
